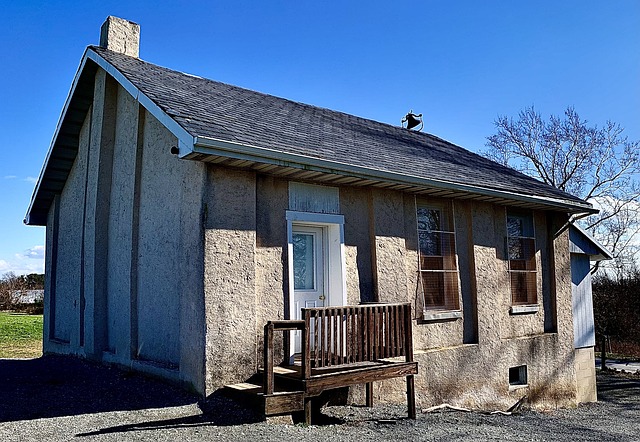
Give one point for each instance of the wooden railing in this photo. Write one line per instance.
(286, 325)
(342, 336)
(353, 334)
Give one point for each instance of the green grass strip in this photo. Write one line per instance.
(20, 335)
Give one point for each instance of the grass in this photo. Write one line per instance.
(20, 335)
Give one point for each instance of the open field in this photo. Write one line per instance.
(20, 335)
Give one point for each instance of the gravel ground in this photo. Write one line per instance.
(58, 398)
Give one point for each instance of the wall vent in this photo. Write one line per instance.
(518, 376)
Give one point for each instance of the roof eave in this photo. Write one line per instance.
(605, 253)
(211, 146)
(30, 218)
(185, 139)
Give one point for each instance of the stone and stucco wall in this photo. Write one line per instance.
(124, 261)
(230, 276)
(464, 361)
(174, 267)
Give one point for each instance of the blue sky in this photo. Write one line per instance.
(460, 63)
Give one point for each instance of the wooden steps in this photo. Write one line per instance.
(279, 402)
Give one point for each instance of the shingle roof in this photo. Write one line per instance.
(330, 141)
(211, 109)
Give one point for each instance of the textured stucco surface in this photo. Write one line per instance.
(118, 290)
(66, 308)
(389, 249)
(355, 204)
(158, 249)
(272, 284)
(230, 276)
(129, 215)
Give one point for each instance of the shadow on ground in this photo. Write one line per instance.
(619, 389)
(216, 410)
(52, 386)
(55, 386)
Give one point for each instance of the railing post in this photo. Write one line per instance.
(408, 346)
(268, 359)
(306, 344)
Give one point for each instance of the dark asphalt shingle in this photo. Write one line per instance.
(211, 109)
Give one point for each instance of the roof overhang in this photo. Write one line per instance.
(583, 243)
(64, 144)
(308, 168)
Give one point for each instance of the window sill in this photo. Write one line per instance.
(524, 309)
(518, 386)
(448, 315)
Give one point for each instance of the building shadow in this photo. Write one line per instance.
(54, 386)
(57, 386)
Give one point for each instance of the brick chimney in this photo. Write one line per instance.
(119, 35)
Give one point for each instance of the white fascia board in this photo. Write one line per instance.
(63, 113)
(185, 139)
(605, 254)
(211, 146)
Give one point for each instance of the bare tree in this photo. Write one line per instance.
(10, 288)
(599, 165)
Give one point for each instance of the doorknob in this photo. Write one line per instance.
(321, 297)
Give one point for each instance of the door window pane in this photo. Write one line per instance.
(303, 263)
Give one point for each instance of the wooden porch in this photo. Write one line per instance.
(340, 347)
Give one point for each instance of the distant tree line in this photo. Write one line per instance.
(11, 286)
(616, 309)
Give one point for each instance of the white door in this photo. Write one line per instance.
(309, 264)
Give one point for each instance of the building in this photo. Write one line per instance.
(182, 214)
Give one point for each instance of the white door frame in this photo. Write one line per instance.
(336, 283)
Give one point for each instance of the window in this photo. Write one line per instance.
(521, 253)
(437, 257)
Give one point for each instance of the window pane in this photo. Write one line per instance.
(430, 244)
(437, 251)
(520, 225)
(514, 226)
(429, 219)
(440, 290)
(437, 256)
(303, 265)
(522, 252)
(523, 288)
